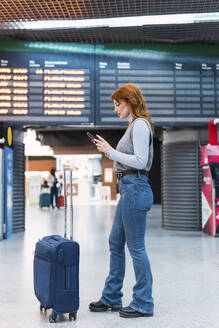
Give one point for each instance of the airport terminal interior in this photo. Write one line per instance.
(60, 62)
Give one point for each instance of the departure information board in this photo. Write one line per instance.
(72, 85)
(40, 88)
(178, 89)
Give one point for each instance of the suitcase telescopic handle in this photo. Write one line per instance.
(71, 205)
(66, 205)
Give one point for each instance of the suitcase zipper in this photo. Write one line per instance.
(67, 278)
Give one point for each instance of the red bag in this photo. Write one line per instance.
(61, 201)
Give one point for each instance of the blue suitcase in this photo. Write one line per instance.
(56, 271)
(45, 199)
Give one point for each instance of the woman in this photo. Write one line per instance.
(132, 161)
(53, 187)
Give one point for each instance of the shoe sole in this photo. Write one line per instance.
(137, 315)
(94, 309)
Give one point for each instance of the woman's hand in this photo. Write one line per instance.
(102, 145)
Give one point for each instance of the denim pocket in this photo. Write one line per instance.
(143, 187)
(144, 200)
(128, 180)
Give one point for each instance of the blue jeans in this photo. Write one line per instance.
(130, 226)
(54, 192)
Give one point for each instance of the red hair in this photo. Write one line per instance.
(131, 94)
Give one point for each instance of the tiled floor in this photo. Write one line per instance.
(185, 266)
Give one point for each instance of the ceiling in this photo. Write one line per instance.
(12, 11)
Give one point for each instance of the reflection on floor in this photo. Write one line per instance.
(185, 266)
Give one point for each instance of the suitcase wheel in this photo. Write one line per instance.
(72, 316)
(52, 317)
(42, 308)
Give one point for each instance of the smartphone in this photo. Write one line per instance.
(91, 136)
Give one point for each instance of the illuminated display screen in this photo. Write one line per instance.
(74, 88)
(178, 89)
(45, 87)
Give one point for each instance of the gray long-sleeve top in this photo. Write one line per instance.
(134, 149)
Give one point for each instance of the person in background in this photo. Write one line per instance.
(60, 185)
(44, 185)
(52, 180)
(132, 162)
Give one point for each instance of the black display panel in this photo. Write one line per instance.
(178, 89)
(47, 88)
(72, 84)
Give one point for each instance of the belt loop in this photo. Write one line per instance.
(138, 174)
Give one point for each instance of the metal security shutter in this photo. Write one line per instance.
(180, 186)
(19, 188)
